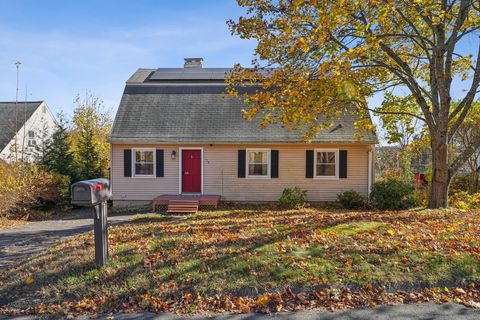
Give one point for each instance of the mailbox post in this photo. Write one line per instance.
(95, 193)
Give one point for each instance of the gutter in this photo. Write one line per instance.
(229, 142)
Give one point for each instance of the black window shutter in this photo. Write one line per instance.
(127, 162)
(242, 155)
(159, 165)
(274, 164)
(309, 164)
(343, 164)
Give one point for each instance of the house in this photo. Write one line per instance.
(24, 127)
(176, 132)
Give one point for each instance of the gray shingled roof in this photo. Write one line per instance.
(7, 118)
(192, 112)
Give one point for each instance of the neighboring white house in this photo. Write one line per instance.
(31, 123)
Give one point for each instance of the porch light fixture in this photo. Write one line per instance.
(174, 154)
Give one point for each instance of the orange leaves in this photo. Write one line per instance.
(152, 302)
(86, 305)
(188, 297)
(242, 306)
(263, 300)
(281, 247)
(303, 45)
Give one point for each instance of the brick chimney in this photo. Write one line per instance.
(193, 63)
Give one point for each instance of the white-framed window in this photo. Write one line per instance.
(144, 162)
(258, 163)
(326, 164)
(31, 138)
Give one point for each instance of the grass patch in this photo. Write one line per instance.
(354, 228)
(151, 217)
(247, 252)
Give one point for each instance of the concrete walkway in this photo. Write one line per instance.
(25, 239)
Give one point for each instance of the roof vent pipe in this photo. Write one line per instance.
(193, 63)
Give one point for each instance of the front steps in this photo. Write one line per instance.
(205, 201)
(182, 206)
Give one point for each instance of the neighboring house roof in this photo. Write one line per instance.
(7, 118)
(190, 105)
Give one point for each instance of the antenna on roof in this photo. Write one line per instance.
(17, 65)
(24, 122)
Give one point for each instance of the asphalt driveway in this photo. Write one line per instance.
(25, 239)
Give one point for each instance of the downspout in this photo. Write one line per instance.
(222, 184)
(370, 165)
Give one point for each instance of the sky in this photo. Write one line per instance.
(71, 47)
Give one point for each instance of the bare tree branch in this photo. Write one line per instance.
(399, 112)
(465, 105)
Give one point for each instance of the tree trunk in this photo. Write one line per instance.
(440, 176)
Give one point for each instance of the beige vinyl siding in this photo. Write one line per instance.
(220, 174)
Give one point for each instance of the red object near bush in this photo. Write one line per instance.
(420, 179)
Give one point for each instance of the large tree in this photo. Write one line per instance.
(330, 56)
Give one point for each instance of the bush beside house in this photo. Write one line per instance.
(351, 200)
(394, 194)
(293, 198)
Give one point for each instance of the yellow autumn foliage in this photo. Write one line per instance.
(27, 188)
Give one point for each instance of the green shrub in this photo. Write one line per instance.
(394, 194)
(293, 198)
(351, 199)
(465, 201)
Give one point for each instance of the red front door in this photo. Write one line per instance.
(191, 171)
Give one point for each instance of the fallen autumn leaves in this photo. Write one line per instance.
(328, 298)
(248, 260)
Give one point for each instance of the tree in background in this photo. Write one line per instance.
(409, 133)
(90, 128)
(329, 56)
(58, 156)
(465, 136)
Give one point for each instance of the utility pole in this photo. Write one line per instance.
(17, 65)
(24, 123)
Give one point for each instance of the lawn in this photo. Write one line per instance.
(256, 259)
